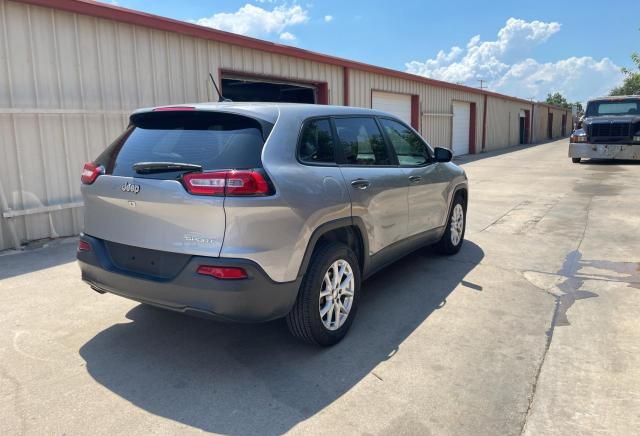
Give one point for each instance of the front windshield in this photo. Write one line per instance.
(616, 107)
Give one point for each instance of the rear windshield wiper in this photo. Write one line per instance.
(163, 167)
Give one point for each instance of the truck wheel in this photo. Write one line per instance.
(576, 159)
(328, 297)
(456, 225)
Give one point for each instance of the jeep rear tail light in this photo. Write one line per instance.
(205, 183)
(246, 183)
(222, 272)
(90, 173)
(229, 183)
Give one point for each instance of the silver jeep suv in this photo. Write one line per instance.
(257, 211)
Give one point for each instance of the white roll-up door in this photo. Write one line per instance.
(396, 104)
(461, 126)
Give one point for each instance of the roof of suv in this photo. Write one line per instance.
(270, 111)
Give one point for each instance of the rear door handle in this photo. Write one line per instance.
(415, 179)
(360, 183)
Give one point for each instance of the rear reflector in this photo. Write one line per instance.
(229, 183)
(222, 272)
(84, 246)
(90, 173)
(174, 108)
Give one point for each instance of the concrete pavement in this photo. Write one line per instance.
(531, 328)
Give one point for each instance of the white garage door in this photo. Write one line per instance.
(461, 120)
(396, 104)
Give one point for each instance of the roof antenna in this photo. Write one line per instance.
(220, 97)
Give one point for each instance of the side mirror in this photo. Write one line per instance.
(442, 154)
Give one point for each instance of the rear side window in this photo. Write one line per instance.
(361, 142)
(212, 140)
(316, 142)
(409, 148)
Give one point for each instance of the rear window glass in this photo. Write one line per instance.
(213, 140)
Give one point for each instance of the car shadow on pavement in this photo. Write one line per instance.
(256, 378)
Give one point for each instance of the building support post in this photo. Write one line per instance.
(11, 223)
(484, 123)
(415, 112)
(472, 128)
(345, 86)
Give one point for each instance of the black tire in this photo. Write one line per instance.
(445, 245)
(304, 320)
(576, 159)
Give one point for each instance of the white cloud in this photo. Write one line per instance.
(256, 21)
(577, 78)
(328, 18)
(504, 64)
(287, 36)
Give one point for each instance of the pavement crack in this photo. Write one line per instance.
(570, 288)
(503, 215)
(586, 223)
(536, 378)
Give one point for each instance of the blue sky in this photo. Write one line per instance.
(520, 48)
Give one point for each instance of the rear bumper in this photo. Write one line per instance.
(254, 299)
(605, 151)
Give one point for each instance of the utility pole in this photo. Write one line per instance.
(482, 82)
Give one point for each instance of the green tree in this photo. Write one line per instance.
(631, 83)
(558, 100)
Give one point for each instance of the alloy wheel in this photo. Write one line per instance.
(457, 224)
(336, 294)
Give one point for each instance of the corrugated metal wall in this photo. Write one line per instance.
(540, 122)
(436, 104)
(67, 85)
(557, 122)
(503, 122)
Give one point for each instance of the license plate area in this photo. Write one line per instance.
(142, 261)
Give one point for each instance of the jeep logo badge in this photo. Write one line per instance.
(130, 187)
